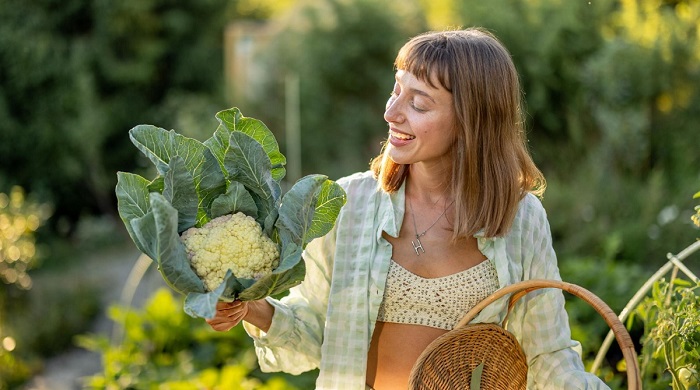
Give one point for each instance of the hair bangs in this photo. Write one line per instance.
(427, 59)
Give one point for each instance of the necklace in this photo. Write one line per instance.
(418, 245)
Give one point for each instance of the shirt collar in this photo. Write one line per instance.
(392, 208)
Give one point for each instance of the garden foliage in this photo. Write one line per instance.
(671, 341)
(611, 93)
(163, 348)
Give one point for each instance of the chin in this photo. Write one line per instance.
(400, 159)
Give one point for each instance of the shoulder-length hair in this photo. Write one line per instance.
(493, 168)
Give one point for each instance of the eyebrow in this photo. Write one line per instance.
(417, 91)
(422, 93)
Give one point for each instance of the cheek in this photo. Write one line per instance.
(448, 137)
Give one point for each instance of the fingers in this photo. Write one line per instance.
(221, 326)
(230, 309)
(228, 315)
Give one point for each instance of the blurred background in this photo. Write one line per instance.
(613, 106)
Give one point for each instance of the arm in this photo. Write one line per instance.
(293, 338)
(539, 319)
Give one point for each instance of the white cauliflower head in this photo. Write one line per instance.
(232, 241)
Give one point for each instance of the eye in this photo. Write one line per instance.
(418, 109)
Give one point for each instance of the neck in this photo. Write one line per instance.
(427, 187)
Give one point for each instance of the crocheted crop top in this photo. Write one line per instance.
(435, 302)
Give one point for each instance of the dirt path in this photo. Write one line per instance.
(112, 269)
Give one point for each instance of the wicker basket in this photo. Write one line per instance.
(448, 362)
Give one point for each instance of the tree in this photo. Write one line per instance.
(78, 75)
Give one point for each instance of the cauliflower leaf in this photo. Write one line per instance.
(232, 177)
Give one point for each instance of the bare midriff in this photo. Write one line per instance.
(393, 352)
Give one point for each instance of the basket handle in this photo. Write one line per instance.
(519, 289)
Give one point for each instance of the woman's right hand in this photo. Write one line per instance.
(228, 315)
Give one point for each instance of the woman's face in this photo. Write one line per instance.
(421, 121)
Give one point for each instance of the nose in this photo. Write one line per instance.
(392, 111)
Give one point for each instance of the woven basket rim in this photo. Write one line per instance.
(520, 289)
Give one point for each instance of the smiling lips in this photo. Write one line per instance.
(401, 136)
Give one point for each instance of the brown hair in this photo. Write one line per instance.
(493, 168)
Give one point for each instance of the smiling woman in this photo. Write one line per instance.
(421, 121)
(447, 214)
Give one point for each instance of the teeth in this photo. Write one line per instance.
(400, 135)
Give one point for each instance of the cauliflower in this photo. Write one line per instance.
(233, 241)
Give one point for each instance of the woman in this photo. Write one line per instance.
(447, 214)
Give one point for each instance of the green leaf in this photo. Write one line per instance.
(247, 163)
(132, 196)
(132, 202)
(268, 224)
(289, 257)
(308, 210)
(331, 198)
(179, 190)
(234, 285)
(475, 383)
(297, 209)
(160, 145)
(144, 229)
(145, 234)
(236, 198)
(218, 142)
(232, 120)
(171, 256)
(157, 185)
(274, 283)
(203, 305)
(697, 195)
(682, 282)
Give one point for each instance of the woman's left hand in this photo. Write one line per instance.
(228, 315)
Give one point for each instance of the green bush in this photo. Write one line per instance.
(20, 218)
(612, 281)
(77, 77)
(57, 310)
(343, 54)
(163, 348)
(611, 93)
(671, 340)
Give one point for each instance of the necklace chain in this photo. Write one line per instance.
(418, 245)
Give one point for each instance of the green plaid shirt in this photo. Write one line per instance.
(328, 320)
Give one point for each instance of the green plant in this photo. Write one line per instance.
(238, 169)
(56, 311)
(20, 218)
(342, 52)
(13, 371)
(671, 340)
(614, 282)
(163, 348)
(79, 76)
